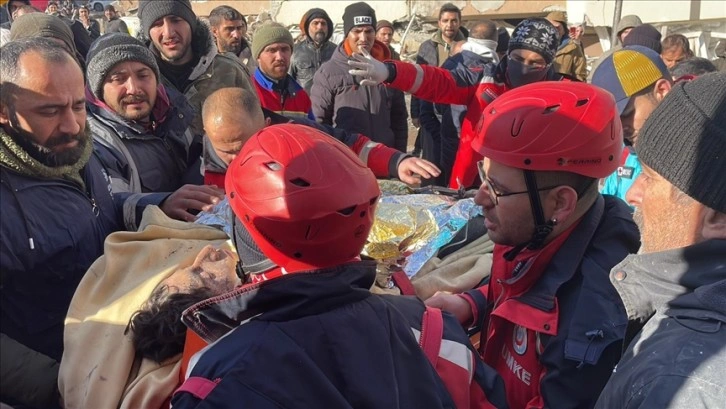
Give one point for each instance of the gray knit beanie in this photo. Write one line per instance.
(684, 139)
(152, 10)
(111, 49)
(270, 33)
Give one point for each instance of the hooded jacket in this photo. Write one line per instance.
(307, 56)
(320, 339)
(377, 112)
(212, 72)
(678, 358)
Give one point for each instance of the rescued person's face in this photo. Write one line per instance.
(47, 112)
(213, 268)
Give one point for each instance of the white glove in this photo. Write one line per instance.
(369, 70)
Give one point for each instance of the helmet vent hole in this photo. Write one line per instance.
(610, 158)
(347, 211)
(550, 109)
(300, 182)
(231, 195)
(297, 254)
(527, 162)
(363, 214)
(273, 166)
(581, 102)
(373, 201)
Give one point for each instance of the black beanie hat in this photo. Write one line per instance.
(645, 35)
(152, 10)
(684, 139)
(358, 14)
(111, 49)
(538, 35)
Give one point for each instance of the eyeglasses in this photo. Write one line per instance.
(493, 194)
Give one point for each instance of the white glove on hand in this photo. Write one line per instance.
(369, 70)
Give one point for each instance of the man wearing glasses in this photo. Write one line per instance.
(530, 54)
(552, 324)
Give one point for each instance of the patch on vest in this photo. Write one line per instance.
(519, 340)
(625, 172)
(362, 21)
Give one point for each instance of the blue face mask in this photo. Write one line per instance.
(520, 74)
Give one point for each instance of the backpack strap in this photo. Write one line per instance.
(403, 283)
(199, 387)
(432, 331)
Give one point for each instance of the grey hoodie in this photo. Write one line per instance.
(678, 359)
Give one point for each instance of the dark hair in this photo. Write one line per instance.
(695, 66)
(449, 8)
(676, 41)
(585, 186)
(109, 7)
(50, 50)
(484, 30)
(220, 13)
(157, 331)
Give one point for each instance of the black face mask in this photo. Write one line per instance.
(519, 74)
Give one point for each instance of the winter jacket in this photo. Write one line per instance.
(245, 57)
(307, 57)
(377, 112)
(461, 86)
(212, 72)
(147, 164)
(556, 337)
(51, 232)
(116, 25)
(570, 60)
(678, 359)
(285, 97)
(620, 181)
(433, 51)
(382, 160)
(452, 116)
(93, 29)
(320, 339)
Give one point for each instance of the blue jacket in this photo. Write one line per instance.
(146, 166)
(52, 230)
(320, 339)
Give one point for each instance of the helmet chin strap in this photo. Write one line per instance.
(542, 227)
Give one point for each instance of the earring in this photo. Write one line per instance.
(553, 221)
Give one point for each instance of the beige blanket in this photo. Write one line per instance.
(455, 273)
(99, 368)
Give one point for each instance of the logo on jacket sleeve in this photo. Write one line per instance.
(519, 340)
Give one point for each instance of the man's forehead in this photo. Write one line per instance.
(126, 66)
(235, 23)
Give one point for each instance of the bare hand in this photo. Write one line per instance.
(453, 304)
(191, 197)
(411, 170)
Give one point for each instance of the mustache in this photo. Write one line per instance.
(134, 99)
(62, 140)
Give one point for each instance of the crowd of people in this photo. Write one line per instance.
(603, 192)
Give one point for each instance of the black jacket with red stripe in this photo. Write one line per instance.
(556, 340)
(320, 339)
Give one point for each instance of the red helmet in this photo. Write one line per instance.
(305, 198)
(553, 126)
